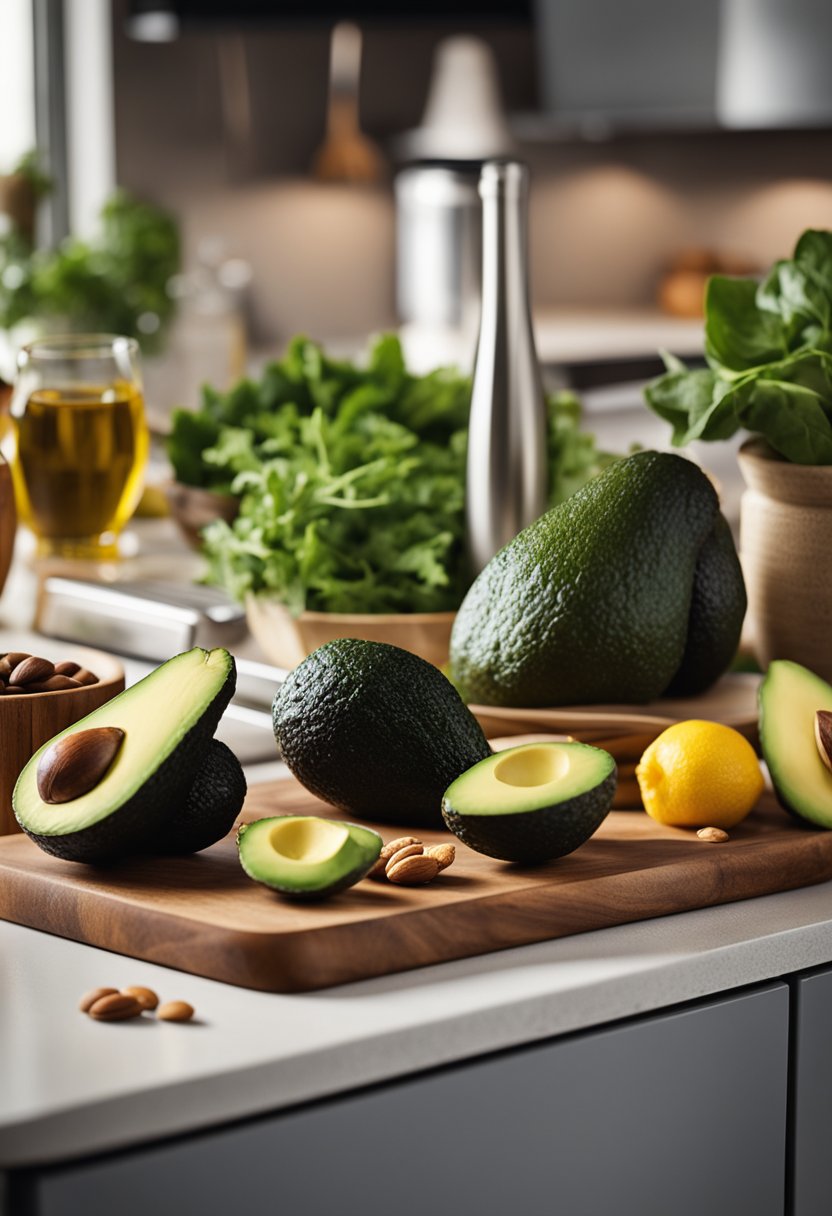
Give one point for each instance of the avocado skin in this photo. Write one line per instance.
(717, 612)
(141, 821)
(533, 837)
(375, 731)
(591, 602)
(213, 803)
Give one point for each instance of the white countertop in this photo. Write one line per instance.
(70, 1086)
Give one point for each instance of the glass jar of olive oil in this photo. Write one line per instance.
(79, 442)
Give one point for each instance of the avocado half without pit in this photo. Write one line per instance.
(120, 781)
(532, 803)
(306, 857)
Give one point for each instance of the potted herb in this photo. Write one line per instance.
(769, 351)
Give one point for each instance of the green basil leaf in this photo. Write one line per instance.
(738, 334)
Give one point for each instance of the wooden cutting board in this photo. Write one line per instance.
(201, 914)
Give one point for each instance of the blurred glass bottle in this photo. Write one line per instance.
(506, 478)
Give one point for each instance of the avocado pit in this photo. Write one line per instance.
(76, 763)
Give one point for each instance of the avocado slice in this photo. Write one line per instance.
(376, 731)
(597, 600)
(213, 803)
(306, 857)
(790, 696)
(168, 719)
(532, 803)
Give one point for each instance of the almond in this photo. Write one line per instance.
(713, 835)
(76, 763)
(116, 1007)
(146, 997)
(175, 1011)
(95, 994)
(67, 668)
(387, 851)
(14, 657)
(85, 677)
(445, 854)
(56, 683)
(413, 870)
(31, 670)
(409, 850)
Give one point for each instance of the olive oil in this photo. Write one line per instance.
(79, 455)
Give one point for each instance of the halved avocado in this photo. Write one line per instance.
(213, 803)
(305, 857)
(790, 696)
(532, 803)
(168, 719)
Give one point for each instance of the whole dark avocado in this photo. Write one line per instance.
(376, 731)
(630, 586)
(213, 803)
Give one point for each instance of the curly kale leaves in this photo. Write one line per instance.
(769, 350)
(351, 480)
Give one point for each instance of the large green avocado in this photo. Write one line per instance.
(168, 720)
(375, 730)
(532, 803)
(790, 696)
(607, 597)
(306, 857)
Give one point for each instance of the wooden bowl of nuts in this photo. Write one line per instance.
(41, 696)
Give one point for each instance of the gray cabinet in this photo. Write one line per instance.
(677, 1114)
(811, 1141)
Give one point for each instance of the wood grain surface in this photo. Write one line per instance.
(202, 914)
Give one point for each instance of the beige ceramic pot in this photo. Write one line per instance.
(287, 640)
(785, 544)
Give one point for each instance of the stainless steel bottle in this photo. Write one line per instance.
(506, 481)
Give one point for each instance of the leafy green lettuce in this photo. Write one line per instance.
(769, 351)
(351, 480)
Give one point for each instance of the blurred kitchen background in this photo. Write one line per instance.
(321, 173)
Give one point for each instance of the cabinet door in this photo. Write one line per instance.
(678, 1114)
(812, 1103)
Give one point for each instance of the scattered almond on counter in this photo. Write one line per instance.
(146, 997)
(112, 1005)
(89, 998)
(713, 835)
(175, 1011)
(116, 1007)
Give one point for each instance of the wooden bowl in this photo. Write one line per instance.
(192, 509)
(287, 640)
(28, 720)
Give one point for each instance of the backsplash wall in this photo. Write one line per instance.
(606, 217)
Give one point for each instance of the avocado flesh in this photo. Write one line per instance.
(532, 803)
(592, 602)
(168, 719)
(306, 857)
(376, 731)
(213, 803)
(790, 696)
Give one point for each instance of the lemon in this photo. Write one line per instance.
(699, 774)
